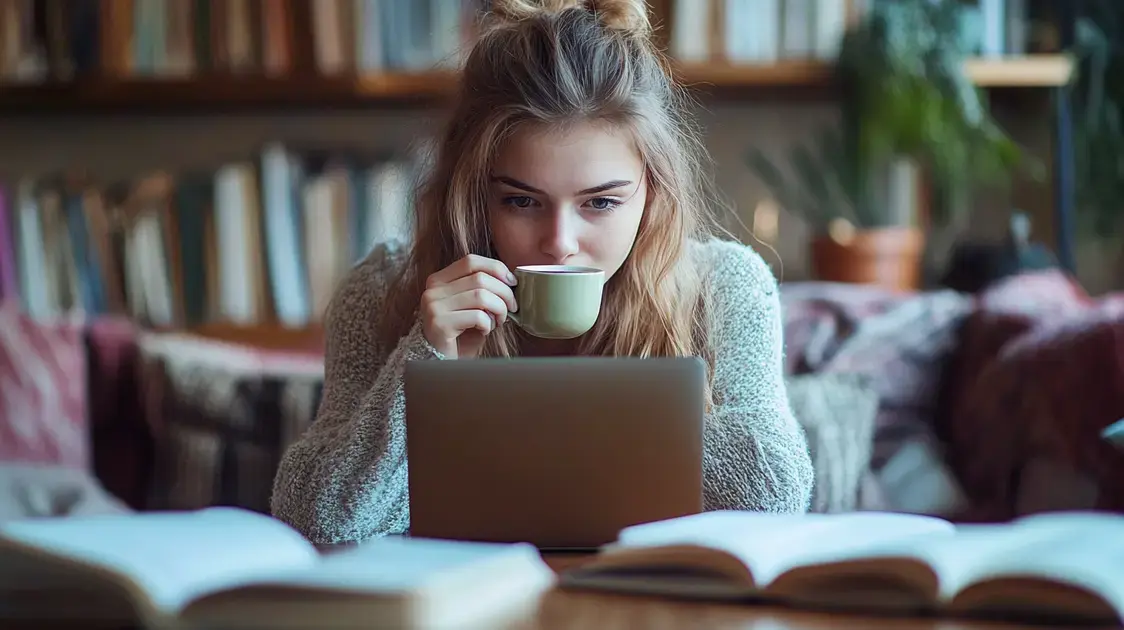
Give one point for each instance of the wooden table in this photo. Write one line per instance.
(573, 610)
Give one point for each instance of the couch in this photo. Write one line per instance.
(991, 405)
(973, 407)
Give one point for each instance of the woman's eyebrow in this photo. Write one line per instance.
(515, 183)
(616, 183)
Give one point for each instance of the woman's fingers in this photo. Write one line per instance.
(476, 281)
(472, 320)
(473, 293)
(475, 299)
(469, 265)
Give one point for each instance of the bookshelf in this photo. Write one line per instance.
(725, 81)
(296, 54)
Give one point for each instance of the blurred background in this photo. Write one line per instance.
(937, 183)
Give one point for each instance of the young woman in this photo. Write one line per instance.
(568, 144)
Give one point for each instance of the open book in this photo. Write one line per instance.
(230, 568)
(1066, 565)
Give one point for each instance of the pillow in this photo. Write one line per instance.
(1032, 422)
(226, 414)
(837, 412)
(1003, 314)
(902, 344)
(43, 396)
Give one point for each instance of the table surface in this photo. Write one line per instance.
(562, 609)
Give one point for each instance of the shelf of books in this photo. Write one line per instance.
(410, 89)
(252, 250)
(183, 54)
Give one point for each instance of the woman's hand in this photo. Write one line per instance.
(464, 302)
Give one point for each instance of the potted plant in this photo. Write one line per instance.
(906, 107)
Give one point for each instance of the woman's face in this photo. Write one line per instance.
(572, 197)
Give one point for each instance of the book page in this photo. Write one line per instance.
(1023, 583)
(172, 556)
(1083, 549)
(769, 544)
(976, 552)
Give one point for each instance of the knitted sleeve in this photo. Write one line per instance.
(755, 453)
(344, 480)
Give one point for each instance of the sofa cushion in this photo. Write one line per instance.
(223, 415)
(1031, 423)
(43, 391)
(1003, 313)
(120, 435)
(837, 412)
(901, 342)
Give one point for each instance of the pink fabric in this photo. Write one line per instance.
(9, 286)
(122, 440)
(1037, 377)
(1003, 314)
(42, 391)
(820, 316)
(1045, 294)
(1047, 396)
(901, 342)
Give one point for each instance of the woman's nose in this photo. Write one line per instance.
(559, 238)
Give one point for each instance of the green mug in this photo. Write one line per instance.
(557, 301)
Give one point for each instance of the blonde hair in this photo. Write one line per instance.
(555, 62)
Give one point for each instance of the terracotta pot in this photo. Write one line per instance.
(887, 257)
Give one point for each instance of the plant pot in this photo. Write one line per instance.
(886, 257)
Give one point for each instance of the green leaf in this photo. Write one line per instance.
(812, 172)
(775, 181)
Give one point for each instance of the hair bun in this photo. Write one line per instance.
(627, 16)
(630, 16)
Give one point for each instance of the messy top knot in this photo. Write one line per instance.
(627, 16)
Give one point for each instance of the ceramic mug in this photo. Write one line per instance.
(557, 301)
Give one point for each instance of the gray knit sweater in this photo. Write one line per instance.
(344, 480)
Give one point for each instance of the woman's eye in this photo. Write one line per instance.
(603, 203)
(519, 201)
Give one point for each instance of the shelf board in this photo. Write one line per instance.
(1052, 70)
(412, 85)
(309, 339)
(1025, 71)
(789, 73)
(226, 93)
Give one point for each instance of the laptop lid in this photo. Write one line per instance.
(559, 452)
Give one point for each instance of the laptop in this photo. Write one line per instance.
(561, 453)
